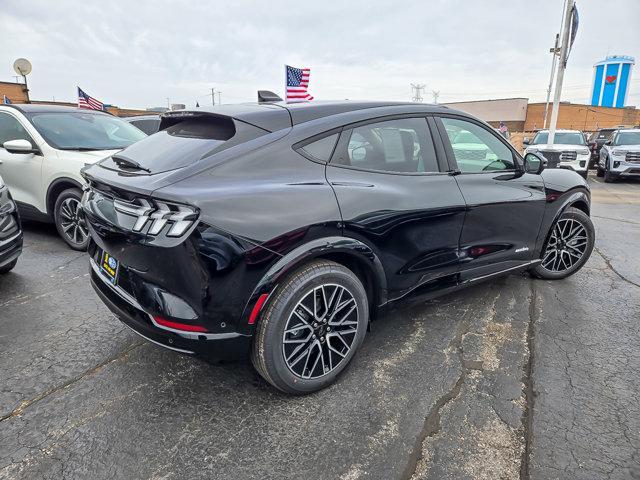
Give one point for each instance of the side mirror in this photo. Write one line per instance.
(526, 141)
(534, 163)
(19, 146)
(608, 142)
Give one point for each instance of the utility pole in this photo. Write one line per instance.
(219, 101)
(213, 96)
(564, 49)
(417, 89)
(168, 103)
(555, 50)
(436, 94)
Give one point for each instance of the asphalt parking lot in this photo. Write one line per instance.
(514, 378)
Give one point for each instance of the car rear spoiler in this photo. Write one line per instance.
(267, 116)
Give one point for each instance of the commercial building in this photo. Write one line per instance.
(18, 93)
(519, 115)
(511, 111)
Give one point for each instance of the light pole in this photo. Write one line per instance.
(564, 50)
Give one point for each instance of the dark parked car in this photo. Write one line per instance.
(596, 141)
(149, 124)
(279, 231)
(10, 231)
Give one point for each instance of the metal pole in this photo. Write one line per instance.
(219, 101)
(213, 97)
(553, 71)
(561, 67)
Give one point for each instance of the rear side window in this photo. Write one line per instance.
(320, 149)
(401, 146)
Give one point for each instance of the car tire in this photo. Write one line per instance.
(566, 251)
(608, 177)
(71, 226)
(299, 328)
(8, 267)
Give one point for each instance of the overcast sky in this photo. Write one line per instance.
(136, 53)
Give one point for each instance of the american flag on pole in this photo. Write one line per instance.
(85, 101)
(297, 84)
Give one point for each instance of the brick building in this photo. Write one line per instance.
(519, 115)
(18, 93)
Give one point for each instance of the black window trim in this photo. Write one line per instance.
(346, 134)
(451, 158)
(32, 141)
(299, 146)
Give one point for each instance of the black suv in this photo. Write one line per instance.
(596, 141)
(10, 231)
(281, 230)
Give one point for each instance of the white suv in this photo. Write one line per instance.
(620, 155)
(569, 149)
(42, 150)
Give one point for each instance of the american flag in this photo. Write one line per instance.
(85, 101)
(297, 83)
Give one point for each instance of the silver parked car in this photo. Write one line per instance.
(620, 155)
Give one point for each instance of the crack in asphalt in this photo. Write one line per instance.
(607, 260)
(432, 425)
(527, 380)
(27, 403)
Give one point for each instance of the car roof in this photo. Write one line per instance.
(274, 116)
(628, 130)
(45, 108)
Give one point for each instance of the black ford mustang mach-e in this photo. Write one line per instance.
(278, 231)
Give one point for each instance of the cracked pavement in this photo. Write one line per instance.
(513, 378)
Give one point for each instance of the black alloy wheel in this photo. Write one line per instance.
(568, 247)
(69, 221)
(311, 328)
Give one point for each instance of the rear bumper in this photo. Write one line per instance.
(222, 346)
(10, 229)
(10, 249)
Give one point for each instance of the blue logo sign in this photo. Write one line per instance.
(112, 263)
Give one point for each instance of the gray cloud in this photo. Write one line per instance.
(137, 53)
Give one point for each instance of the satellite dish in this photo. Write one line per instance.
(22, 66)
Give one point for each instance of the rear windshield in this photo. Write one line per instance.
(85, 130)
(148, 126)
(560, 138)
(186, 142)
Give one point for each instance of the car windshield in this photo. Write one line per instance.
(628, 138)
(85, 130)
(561, 138)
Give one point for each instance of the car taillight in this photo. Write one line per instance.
(158, 214)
